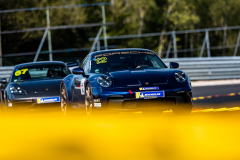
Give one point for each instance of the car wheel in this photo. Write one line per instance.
(5, 107)
(63, 100)
(185, 110)
(88, 100)
(1, 94)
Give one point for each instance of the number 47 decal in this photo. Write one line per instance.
(19, 72)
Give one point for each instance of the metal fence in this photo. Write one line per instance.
(173, 40)
(197, 68)
(209, 68)
(48, 28)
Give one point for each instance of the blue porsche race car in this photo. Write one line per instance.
(126, 80)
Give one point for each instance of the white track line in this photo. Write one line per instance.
(215, 82)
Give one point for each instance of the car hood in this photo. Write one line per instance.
(143, 77)
(41, 86)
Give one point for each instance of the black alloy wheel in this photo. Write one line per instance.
(63, 100)
(88, 100)
(1, 98)
(5, 107)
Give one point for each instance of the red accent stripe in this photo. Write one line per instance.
(130, 92)
(216, 96)
(189, 95)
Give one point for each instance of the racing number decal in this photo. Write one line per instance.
(101, 60)
(82, 88)
(19, 72)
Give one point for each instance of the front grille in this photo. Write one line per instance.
(148, 103)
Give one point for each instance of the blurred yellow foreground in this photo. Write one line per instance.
(49, 135)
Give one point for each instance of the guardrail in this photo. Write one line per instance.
(5, 72)
(197, 68)
(209, 68)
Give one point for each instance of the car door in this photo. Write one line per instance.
(79, 82)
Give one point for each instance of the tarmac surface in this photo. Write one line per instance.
(216, 96)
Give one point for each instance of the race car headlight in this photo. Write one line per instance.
(16, 90)
(104, 81)
(180, 76)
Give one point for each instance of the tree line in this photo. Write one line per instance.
(130, 17)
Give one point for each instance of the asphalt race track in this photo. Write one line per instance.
(216, 96)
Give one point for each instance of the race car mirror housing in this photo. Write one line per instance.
(78, 70)
(3, 80)
(173, 65)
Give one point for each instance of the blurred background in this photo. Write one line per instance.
(129, 23)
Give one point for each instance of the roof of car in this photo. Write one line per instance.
(40, 63)
(121, 50)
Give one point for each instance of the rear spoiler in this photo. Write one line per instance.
(73, 64)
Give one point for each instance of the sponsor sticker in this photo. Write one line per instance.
(97, 104)
(96, 100)
(148, 88)
(82, 86)
(96, 70)
(101, 60)
(150, 94)
(48, 100)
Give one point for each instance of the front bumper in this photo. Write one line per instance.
(127, 101)
(26, 101)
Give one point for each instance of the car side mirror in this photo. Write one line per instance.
(3, 80)
(78, 70)
(173, 65)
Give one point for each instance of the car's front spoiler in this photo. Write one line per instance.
(131, 103)
(28, 101)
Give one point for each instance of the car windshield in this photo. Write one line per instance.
(39, 72)
(125, 60)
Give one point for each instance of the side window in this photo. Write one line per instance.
(82, 62)
(85, 64)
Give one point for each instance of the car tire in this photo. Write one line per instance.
(88, 99)
(63, 99)
(1, 99)
(5, 107)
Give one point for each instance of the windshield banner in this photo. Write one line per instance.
(148, 88)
